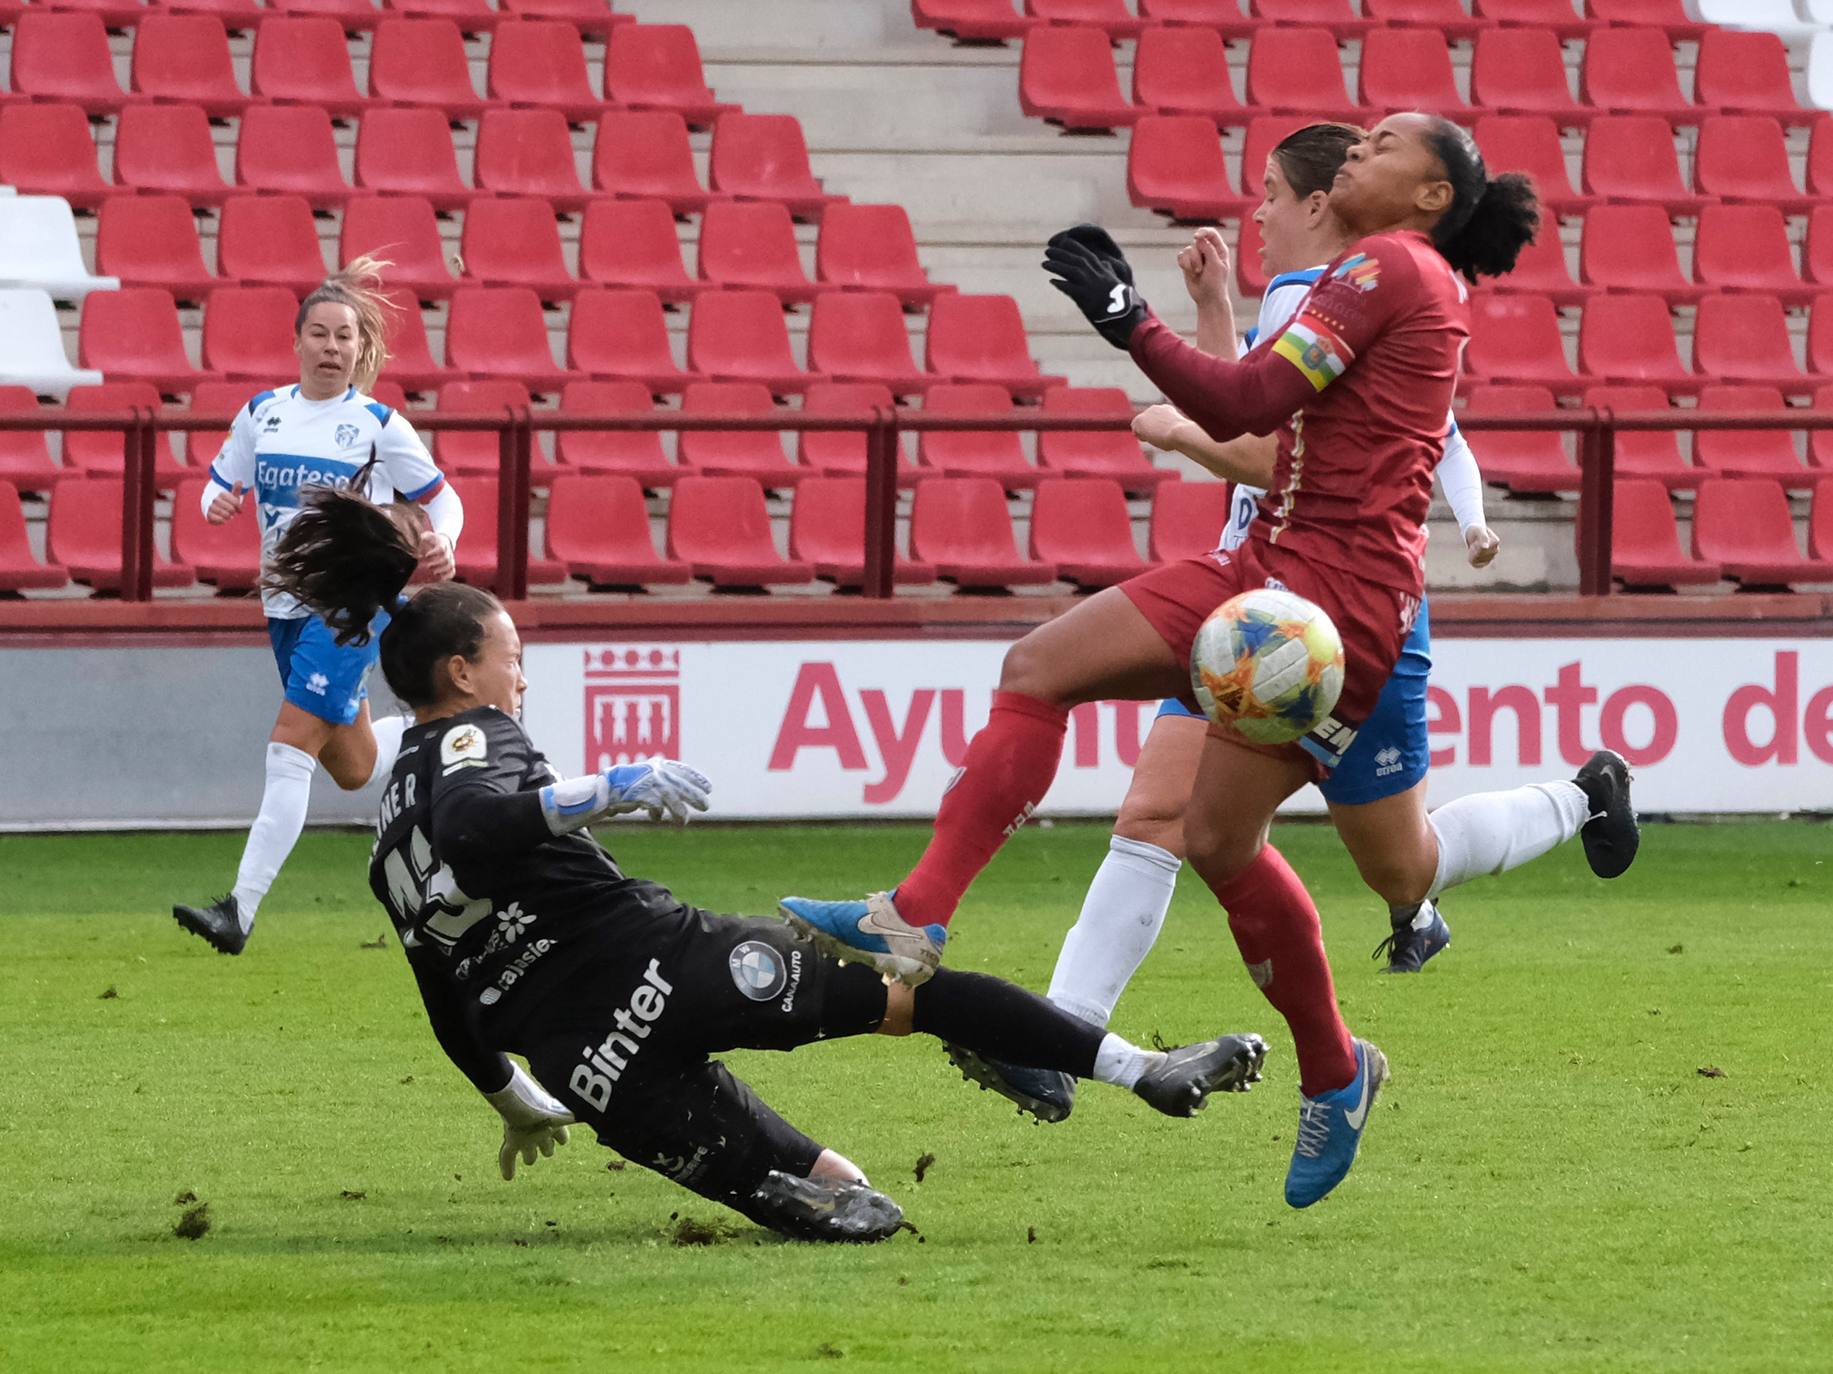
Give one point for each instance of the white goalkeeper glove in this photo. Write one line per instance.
(662, 787)
(533, 1119)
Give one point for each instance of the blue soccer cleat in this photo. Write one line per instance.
(1415, 940)
(870, 932)
(1330, 1128)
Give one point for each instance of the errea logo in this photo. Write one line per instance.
(1387, 761)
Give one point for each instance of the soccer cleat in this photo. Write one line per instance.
(1415, 941)
(1048, 1094)
(1611, 834)
(1182, 1080)
(220, 923)
(1330, 1128)
(824, 1209)
(870, 932)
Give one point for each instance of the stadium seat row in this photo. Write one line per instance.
(1742, 530)
(594, 18)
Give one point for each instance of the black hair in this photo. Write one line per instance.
(1310, 157)
(1490, 219)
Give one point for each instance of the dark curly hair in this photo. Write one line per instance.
(1491, 219)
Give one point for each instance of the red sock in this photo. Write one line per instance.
(1009, 767)
(1276, 929)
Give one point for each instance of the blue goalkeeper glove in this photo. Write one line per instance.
(662, 787)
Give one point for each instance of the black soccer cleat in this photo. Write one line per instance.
(220, 923)
(827, 1209)
(1181, 1082)
(1048, 1094)
(1611, 834)
(1412, 943)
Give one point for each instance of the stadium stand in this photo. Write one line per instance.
(634, 454)
(982, 339)
(753, 244)
(860, 337)
(720, 527)
(39, 248)
(647, 154)
(1764, 453)
(1653, 454)
(248, 334)
(872, 248)
(827, 527)
(540, 65)
(25, 455)
(632, 243)
(153, 241)
(184, 59)
(765, 157)
(48, 150)
(405, 231)
(1186, 521)
(477, 551)
(515, 241)
(842, 453)
(499, 332)
(1112, 455)
(269, 241)
(598, 526)
(1745, 527)
(65, 57)
(739, 336)
(999, 454)
(1067, 78)
(168, 148)
(523, 152)
(1408, 69)
(474, 453)
(83, 534)
(657, 67)
(98, 453)
(134, 334)
(753, 453)
(1526, 461)
(1183, 70)
(623, 335)
(19, 567)
(962, 527)
(422, 62)
(1516, 71)
(1083, 528)
(226, 556)
(1645, 535)
(1175, 167)
(303, 60)
(284, 149)
(1631, 248)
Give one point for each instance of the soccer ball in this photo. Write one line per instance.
(1267, 665)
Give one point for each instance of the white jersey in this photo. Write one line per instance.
(283, 444)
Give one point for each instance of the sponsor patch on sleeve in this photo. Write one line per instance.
(1314, 349)
(464, 746)
(1361, 272)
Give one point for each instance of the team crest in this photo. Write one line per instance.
(347, 435)
(463, 747)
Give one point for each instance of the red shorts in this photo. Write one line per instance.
(1373, 621)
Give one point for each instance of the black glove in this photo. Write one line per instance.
(1087, 266)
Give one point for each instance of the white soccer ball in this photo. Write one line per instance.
(1267, 665)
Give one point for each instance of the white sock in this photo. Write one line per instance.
(388, 732)
(1120, 1062)
(276, 829)
(1121, 917)
(1493, 832)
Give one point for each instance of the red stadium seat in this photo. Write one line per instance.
(99, 452)
(1184, 71)
(248, 333)
(1746, 248)
(739, 336)
(1745, 339)
(982, 339)
(1175, 167)
(529, 153)
(622, 335)
(842, 453)
(1289, 72)
(1408, 69)
(1523, 72)
(1645, 540)
(1066, 77)
(598, 526)
(423, 62)
(872, 248)
(1224, 16)
(1820, 441)
(1816, 250)
(1631, 248)
(168, 148)
(84, 535)
(213, 399)
(25, 457)
(657, 67)
(238, 16)
(184, 58)
(227, 556)
(410, 362)
(962, 526)
(720, 527)
(632, 243)
(65, 57)
(1766, 453)
(634, 454)
(269, 241)
(1084, 528)
(515, 241)
(477, 550)
(1744, 527)
(1517, 339)
(19, 569)
(304, 61)
(1631, 158)
(1747, 73)
(133, 335)
(475, 453)
(47, 150)
(1820, 337)
(1820, 521)
(1187, 520)
(1650, 454)
(1530, 143)
(352, 14)
(1530, 461)
(753, 244)
(152, 241)
(500, 332)
(860, 337)
(1632, 71)
(403, 230)
(763, 157)
(116, 14)
(1630, 338)
(1250, 279)
(1556, 15)
(593, 18)
(1111, 454)
(999, 454)
(827, 527)
(290, 150)
(410, 153)
(750, 453)
(1670, 16)
(1110, 15)
(1448, 17)
(1745, 158)
(971, 20)
(1820, 160)
(541, 65)
(1335, 15)
(1541, 270)
(646, 155)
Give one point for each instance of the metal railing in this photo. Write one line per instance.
(516, 426)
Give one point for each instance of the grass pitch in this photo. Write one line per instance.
(1550, 1181)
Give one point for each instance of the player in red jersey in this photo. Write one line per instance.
(1361, 380)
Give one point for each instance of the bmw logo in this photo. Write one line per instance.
(757, 970)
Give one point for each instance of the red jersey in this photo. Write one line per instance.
(1364, 374)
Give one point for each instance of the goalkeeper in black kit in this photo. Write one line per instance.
(525, 936)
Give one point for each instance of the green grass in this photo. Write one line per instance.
(1549, 1182)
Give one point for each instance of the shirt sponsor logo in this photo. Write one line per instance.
(757, 970)
(280, 482)
(1387, 762)
(1361, 272)
(317, 684)
(602, 1065)
(464, 746)
(1315, 350)
(510, 976)
(272, 426)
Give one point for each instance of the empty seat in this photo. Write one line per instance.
(1066, 77)
(860, 337)
(472, 16)
(1521, 71)
(1175, 167)
(25, 457)
(753, 244)
(1820, 337)
(540, 64)
(1517, 339)
(515, 241)
(1670, 16)
(1645, 540)
(843, 452)
(290, 150)
(739, 336)
(1631, 248)
(410, 153)
(1630, 338)
(528, 153)
(65, 57)
(352, 14)
(227, 556)
(1335, 15)
(1528, 461)
(214, 400)
(622, 335)
(1817, 249)
(133, 334)
(1646, 454)
(84, 535)
(1111, 454)
(635, 454)
(1250, 279)
(1530, 144)
(423, 62)
(477, 550)
(657, 67)
(303, 60)
(1744, 527)
(169, 148)
(238, 16)
(720, 527)
(646, 154)
(598, 526)
(827, 527)
(1632, 158)
(764, 157)
(500, 332)
(1820, 160)
(1408, 69)
(1745, 339)
(1746, 248)
(270, 241)
(1631, 71)
(1556, 15)
(410, 353)
(404, 231)
(1298, 71)
(755, 453)
(1449, 17)
(48, 150)
(1820, 441)
(1084, 529)
(1768, 453)
(1187, 520)
(1184, 71)
(999, 454)
(1541, 270)
(19, 568)
(1222, 15)
(1747, 73)
(475, 452)
(872, 248)
(248, 334)
(962, 526)
(982, 339)
(1745, 158)
(1820, 521)
(1110, 15)
(632, 243)
(971, 20)
(39, 248)
(593, 18)
(185, 58)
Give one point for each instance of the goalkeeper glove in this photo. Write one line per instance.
(1087, 266)
(533, 1119)
(661, 787)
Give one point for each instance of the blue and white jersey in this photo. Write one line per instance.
(283, 444)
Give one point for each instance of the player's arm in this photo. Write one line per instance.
(1462, 482)
(232, 472)
(1205, 265)
(413, 473)
(1248, 459)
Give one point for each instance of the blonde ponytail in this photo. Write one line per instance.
(359, 286)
